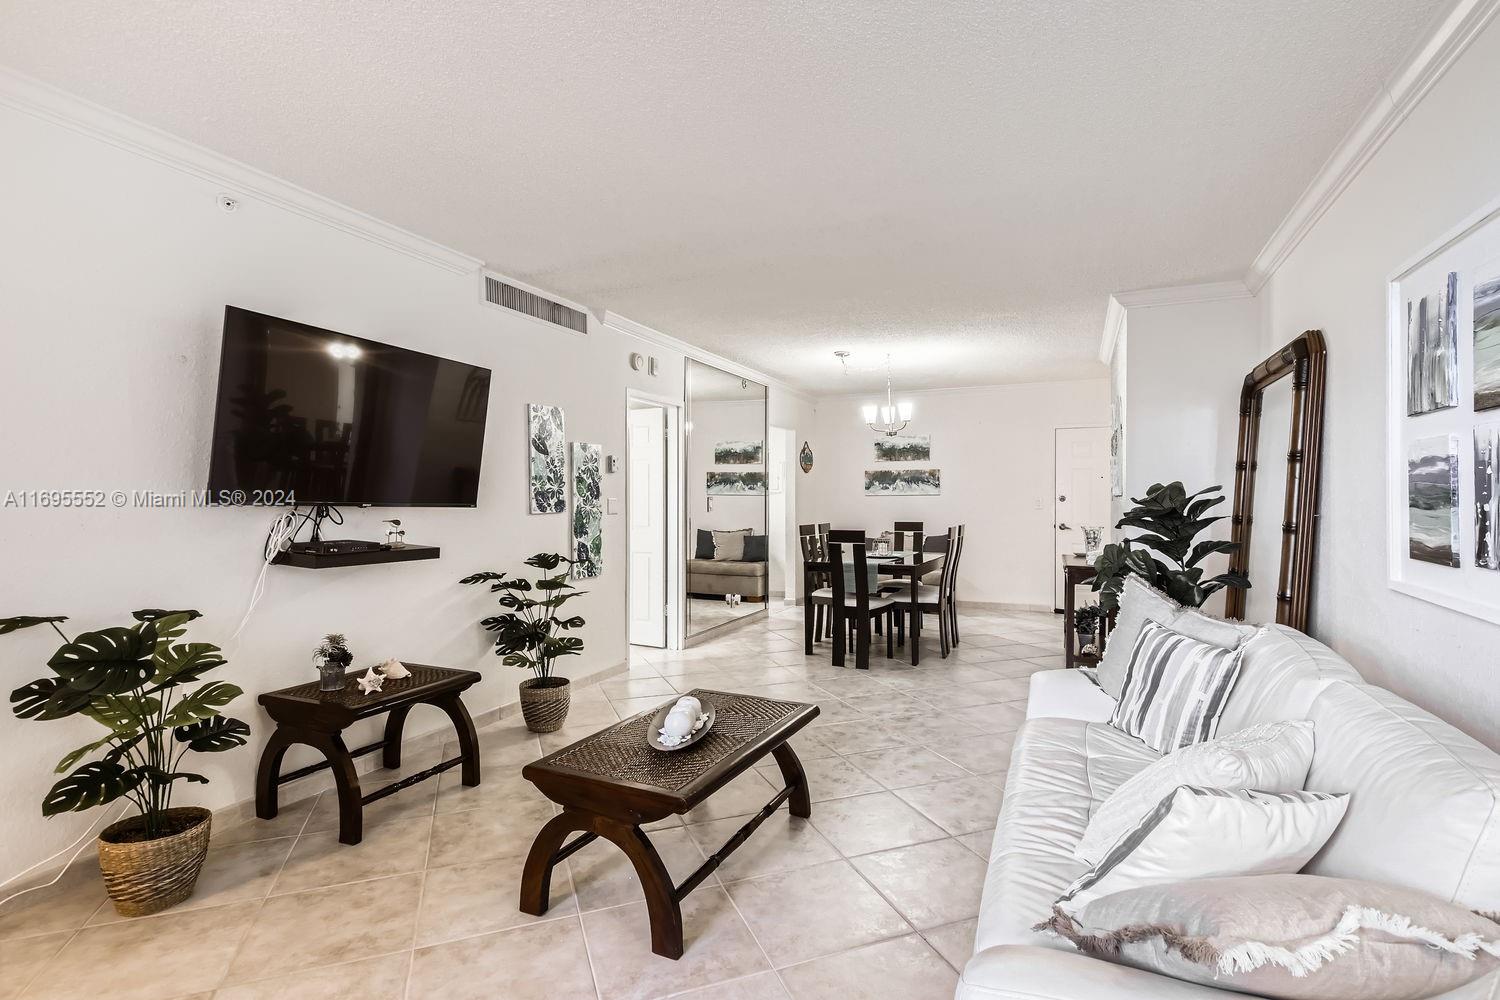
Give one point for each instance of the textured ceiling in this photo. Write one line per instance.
(958, 183)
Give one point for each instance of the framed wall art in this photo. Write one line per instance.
(1443, 412)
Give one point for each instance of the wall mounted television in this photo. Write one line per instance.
(310, 416)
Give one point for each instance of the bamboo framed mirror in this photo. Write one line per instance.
(1284, 393)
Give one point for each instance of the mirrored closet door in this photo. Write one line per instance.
(728, 577)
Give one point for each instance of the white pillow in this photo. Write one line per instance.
(1213, 833)
(1141, 603)
(1270, 757)
(1175, 689)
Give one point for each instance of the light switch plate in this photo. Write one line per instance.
(612, 505)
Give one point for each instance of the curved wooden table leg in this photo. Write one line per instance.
(661, 896)
(345, 779)
(796, 779)
(536, 877)
(468, 740)
(267, 773)
(395, 723)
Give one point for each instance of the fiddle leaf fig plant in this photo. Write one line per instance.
(130, 680)
(1165, 553)
(529, 633)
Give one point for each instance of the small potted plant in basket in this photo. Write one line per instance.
(528, 635)
(130, 680)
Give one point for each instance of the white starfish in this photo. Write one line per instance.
(370, 682)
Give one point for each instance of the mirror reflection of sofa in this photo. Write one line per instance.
(712, 574)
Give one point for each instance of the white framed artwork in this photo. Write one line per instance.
(1443, 421)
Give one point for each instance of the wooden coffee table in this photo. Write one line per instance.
(611, 783)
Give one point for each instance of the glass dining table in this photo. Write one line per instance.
(899, 564)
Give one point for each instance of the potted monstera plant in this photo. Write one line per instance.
(531, 635)
(133, 682)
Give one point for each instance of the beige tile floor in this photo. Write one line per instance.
(874, 897)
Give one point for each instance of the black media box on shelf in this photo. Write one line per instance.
(335, 547)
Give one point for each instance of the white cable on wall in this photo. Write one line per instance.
(47, 861)
(278, 539)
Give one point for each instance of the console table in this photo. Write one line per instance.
(304, 714)
(611, 783)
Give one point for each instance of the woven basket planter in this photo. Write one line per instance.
(544, 703)
(147, 876)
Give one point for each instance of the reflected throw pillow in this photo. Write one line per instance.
(730, 545)
(1271, 757)
(1294, 937)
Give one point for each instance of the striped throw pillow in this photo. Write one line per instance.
(1197, 832)
(1175, 689)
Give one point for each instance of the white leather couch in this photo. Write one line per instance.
(1424, 811)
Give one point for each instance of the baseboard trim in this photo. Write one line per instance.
(1001, 606)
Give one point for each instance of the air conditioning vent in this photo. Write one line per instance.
(498, 293)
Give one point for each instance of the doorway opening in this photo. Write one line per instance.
(653, 509)
(1081, 499)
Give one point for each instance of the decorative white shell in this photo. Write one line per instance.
(394, 669)
(370, 682)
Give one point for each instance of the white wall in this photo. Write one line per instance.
(1432, 173)
(995, 447)
(114, 274)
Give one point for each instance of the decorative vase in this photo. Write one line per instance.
(1093, 542)
(147, 876)
(544, 703)
(331, 675)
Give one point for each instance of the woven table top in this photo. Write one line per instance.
(304, 703)
(621, 753)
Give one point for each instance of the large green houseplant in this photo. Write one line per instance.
(1165, 554)
(530, 635)
(131, 680)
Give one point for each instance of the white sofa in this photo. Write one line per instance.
(1424, 811)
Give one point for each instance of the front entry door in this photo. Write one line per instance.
(1082, 497)
(647, 472)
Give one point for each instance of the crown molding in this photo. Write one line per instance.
(1382, 117)
(640, 331)
(1114, 325)
(1172, 295)
(40, 100)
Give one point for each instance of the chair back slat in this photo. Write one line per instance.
(913, 528)
(949, 582)
(857, 579)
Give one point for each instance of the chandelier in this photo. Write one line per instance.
(890, 419)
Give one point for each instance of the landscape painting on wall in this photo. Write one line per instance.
(588, 511)
(1432, 500)
(729, 484)
(903, 482)
(1432, 349)
(1487, 338)
(739, 453)
(545, 426)
(904, 448)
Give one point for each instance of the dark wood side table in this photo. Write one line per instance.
(1076, 571)
(304, 714)
(611, 783)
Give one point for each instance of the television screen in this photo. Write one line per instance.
(309, 416)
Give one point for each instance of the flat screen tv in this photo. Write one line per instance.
(310, 416)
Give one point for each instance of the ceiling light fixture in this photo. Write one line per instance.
(893, 416)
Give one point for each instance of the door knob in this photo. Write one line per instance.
(1064, 527)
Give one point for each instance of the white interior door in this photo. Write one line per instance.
(647, 473)
(1082, 497)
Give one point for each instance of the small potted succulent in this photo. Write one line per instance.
(528, 635)
(130, 680)
(332, 659)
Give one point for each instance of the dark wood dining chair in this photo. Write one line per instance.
(955, 556)
(853, 598)
(938, 600)
(913, 528)
(814, 549)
